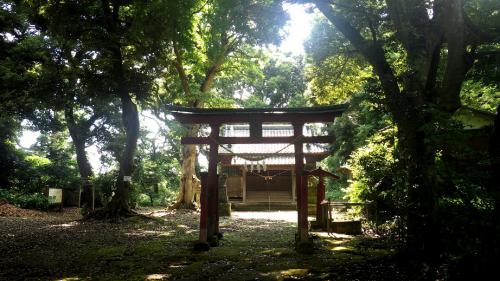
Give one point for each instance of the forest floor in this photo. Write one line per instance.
(60, 246)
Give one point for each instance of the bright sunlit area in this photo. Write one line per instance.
(298, 28)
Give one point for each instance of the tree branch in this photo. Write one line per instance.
(456, 65)
(432, 73)
(201, 8)
(409, 16)
(372, 51)
(178, 64)
(474, 34)
(228, 47)
(363, 11)
(92, 120)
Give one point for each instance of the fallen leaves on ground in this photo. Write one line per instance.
(55, 246)
(8, 210)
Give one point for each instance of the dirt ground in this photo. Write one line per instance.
(60, 246)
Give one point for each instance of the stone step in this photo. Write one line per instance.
(264, 196)
(263, 206)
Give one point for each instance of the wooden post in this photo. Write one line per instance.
(217, 216)
(203, 207)
(212, 227)
(88, 194)
(304, 224)
(244, 184)
(320, 196)
(299, 184)
(325, 208)
(256, 128)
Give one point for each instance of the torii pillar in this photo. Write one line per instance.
(320, 191)
(209, 216)
(303, 243)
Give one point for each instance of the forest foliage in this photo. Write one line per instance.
(97, 82)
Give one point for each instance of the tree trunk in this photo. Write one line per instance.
(495, 163)
(79, 137)
(185, 198)
(7, 158)
(413, 96)
(119, 204)
(491, 243)
(411, 112)
(418, 156)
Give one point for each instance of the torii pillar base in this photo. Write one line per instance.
(201, 246)
(304, 246)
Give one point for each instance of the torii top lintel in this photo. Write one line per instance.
(189, 115)
(255, 117)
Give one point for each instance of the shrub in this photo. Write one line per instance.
(32, 201)
(27, 201)
(105, 185)
(5, 195)
(378, 179)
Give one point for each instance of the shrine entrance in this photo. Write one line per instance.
(255, 117)
(269, 186)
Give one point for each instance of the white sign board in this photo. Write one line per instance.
(55, 195)
(127, 178)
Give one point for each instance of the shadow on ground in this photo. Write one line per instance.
(161, 249)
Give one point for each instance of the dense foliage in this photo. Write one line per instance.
(406, 68)
(414, 159)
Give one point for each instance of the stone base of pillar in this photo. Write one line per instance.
(201, 246)
(224, 209)
(304, 246)
(213, 241)
(317, 225)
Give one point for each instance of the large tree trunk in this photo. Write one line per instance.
(495, 163)
(119, 204)
(185, 198)
(425, 94)
(79, 138)
(417, 157)
(8, 158)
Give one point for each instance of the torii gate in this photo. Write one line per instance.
(209, 220)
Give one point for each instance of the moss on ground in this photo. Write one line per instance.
(162, 249)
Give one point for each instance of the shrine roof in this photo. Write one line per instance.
(268, 130)
(273, 153)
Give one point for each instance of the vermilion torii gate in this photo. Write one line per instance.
(209, 221)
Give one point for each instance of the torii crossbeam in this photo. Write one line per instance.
(254, 117)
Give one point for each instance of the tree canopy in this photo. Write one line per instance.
(97, 76)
